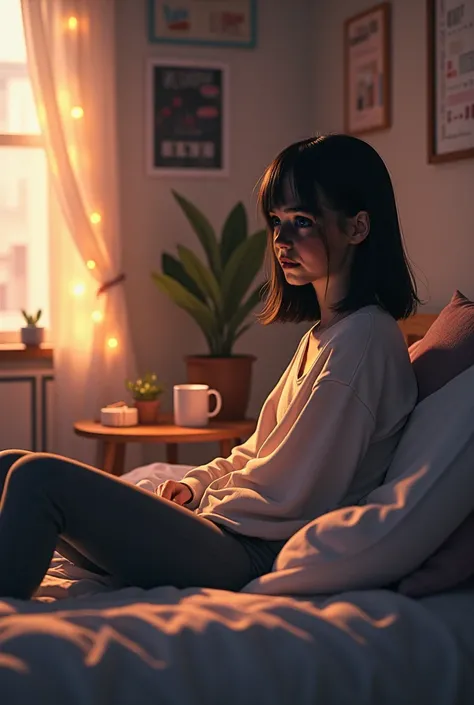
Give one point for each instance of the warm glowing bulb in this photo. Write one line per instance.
(97, 316)
(78, 289)
(91, 264)
(95, 218)
(72, 23)
(77, 112)
(112, 342)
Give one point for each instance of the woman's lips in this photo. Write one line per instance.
(288, 264)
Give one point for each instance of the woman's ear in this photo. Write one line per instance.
(359, 228)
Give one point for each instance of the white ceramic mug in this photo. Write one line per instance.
(191, 404)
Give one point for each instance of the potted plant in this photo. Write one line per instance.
(32, 335)
(217, 297)
(146, 392)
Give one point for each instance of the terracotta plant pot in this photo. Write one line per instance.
(148, 412)
(32, 336)
(231, 376)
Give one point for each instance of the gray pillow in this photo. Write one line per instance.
(428, 491)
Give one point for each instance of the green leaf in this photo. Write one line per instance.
(241, 270)
(182, 298)
(234, 232)
(241, 314)
(204, 231)
(243, 311)
(203, 277)
(173, 268)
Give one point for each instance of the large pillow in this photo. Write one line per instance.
(447, 349)
(451, 565)
(428, 492)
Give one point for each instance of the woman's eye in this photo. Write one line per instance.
(274, 221)
(302, 222)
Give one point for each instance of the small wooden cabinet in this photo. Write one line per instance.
(26, 404)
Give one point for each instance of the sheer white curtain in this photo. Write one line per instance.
(71, 56)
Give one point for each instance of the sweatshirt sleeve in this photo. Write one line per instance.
(309, 469)
(198, 479)
(314, 465)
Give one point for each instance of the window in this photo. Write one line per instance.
(24, 239)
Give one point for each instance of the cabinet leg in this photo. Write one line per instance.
(172, 453)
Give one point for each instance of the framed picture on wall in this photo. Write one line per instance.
(230, 23)
(450, 80)
(187, 118)
(367, 81)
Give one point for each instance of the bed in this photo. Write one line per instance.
(81, 642)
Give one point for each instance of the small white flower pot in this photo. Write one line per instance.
(32, 336)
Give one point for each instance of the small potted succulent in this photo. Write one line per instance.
(146, 392)
(31, 334)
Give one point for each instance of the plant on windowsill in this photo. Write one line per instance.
(32, 335)
(216, 296)
(146, 392)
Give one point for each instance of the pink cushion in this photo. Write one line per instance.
(447, 349)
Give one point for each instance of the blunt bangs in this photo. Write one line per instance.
(291, 169)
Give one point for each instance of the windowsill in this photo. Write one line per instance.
(17, 352)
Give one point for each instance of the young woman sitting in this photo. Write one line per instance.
(325, 435)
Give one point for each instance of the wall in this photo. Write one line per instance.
(436, 203)
(270, 100)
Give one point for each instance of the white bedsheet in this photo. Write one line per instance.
(200, 646)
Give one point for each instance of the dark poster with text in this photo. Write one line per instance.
(188, 118)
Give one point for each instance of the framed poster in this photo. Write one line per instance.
(367, 81)
(231, 23)
(450, 80)
(188, 118)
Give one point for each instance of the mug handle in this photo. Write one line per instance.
(214, 392)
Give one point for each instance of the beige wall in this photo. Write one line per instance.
(270, 106)
(288, 88)
(436, 203)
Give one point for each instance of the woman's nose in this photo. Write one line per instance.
(283, 237)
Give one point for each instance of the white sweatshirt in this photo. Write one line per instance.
(323, 440)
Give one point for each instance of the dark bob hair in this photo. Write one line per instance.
(347, 175)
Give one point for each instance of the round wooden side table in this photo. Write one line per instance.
(112, 440)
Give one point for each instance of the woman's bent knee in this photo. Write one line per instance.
(12, 455)
(33, 468)
(7, 460)
(45, 469)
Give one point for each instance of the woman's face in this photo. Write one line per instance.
(302, 242)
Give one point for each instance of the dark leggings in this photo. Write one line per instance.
(105, 525)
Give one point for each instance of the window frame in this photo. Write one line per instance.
(15, 66)
(12, 139)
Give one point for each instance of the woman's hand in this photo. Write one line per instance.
(174, 491)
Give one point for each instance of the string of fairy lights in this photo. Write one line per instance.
(79, 289)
